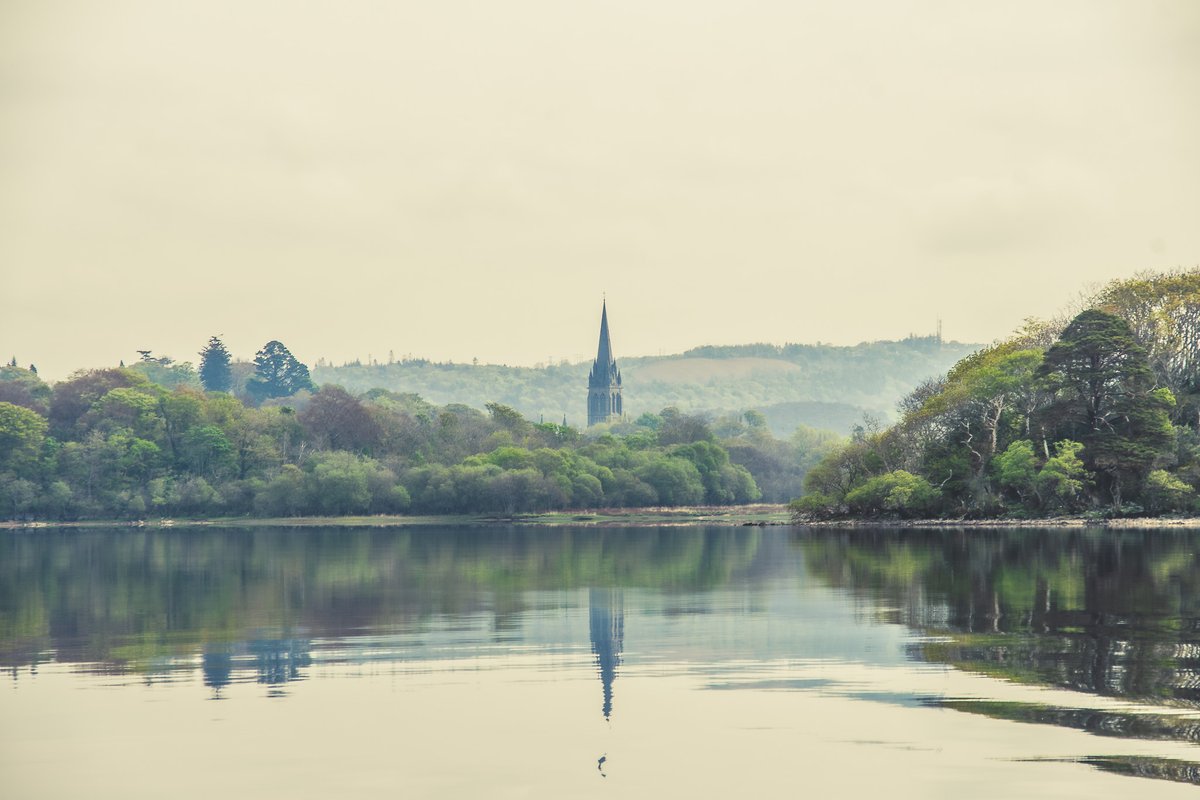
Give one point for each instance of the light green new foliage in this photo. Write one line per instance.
(897, 492)
(1058, 483)
(21, 434)
(341, 483)
(1164, 492)
(1062, 477)
(1016, 468)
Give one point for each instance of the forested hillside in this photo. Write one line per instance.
(1098, 414)
(821, 386)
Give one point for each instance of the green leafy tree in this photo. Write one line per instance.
(21, 434)
(165, 371)
(207, 452)
(1164, 492)
(676, 481)
(898, 493)
(215, 372)
(285, 495)
(341, 483)
(1102, 395)
(969, 409)
(1016, 469)
(22, 387)
(1063, 477)
(277, 373)
(1163, 311)
(74, 397)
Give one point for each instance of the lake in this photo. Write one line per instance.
(598, 662)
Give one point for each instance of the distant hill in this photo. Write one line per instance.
(823, 386)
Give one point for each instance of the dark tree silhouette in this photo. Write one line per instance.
(277, 373)
(215, 374)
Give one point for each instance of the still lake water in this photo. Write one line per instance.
(553, 662)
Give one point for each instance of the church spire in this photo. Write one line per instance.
(604, 382)
(604, 355)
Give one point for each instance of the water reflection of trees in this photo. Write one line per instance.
(1104, 612)
(129, 598)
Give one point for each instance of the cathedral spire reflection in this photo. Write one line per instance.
(606, 617)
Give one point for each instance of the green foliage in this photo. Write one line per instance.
(206, 451)
(982, 434)
(1102, 394)
(898, 493)
(675, 481)
(23, 387)
(1016, 468)
(277, 373)
(341, 483)
(21, 435)
(166, 372)
(215, 372)
(128, 448)
(74, 397)
(1062, 478)
(814, 506)
(1163, 312)
(1163, 492)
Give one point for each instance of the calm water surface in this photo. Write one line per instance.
(612, 662)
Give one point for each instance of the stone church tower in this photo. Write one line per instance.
(604, 383)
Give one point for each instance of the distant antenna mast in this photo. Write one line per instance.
(939, 332)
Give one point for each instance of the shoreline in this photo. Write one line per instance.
(761, 514)
(1120, 523)
(757, 515)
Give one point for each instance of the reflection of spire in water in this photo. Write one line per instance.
(606, 612)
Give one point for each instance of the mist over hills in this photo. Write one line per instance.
(819, 385)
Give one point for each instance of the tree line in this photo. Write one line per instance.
(159, 438)
(1098, 414)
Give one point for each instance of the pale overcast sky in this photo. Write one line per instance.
(459, 179)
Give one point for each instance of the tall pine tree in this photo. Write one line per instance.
(277, 373)
(215, 374)
(1102, 394)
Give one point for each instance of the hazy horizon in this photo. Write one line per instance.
(466, 180)
(382, 358)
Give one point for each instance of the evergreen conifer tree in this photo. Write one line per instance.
(1102, 394)
(215, 374)
(277, 373)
